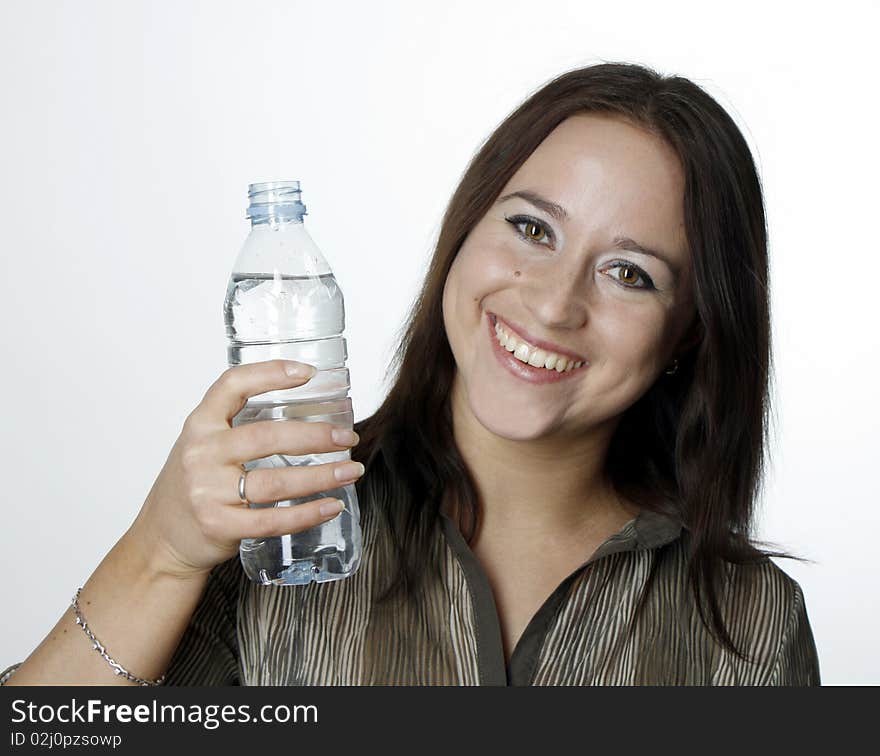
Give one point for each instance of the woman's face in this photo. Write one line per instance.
(573, 280)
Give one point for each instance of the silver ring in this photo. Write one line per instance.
(241, 480)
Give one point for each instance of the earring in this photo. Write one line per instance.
(674, 369)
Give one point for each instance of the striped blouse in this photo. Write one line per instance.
(334, 633)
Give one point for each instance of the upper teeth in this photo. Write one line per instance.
(533, 355)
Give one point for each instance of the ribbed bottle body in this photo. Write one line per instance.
(283, 302)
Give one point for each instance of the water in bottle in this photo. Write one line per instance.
(283, 302)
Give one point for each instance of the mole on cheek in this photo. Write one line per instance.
(516, 273)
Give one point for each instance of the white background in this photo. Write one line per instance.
(130, 131)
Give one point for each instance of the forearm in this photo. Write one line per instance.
(136, 612)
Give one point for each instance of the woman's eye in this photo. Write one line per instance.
(631, 273)
(535, 231)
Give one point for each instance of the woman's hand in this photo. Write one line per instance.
(193, 519)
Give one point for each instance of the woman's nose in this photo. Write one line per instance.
(556, 300)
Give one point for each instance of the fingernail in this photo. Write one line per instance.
(299, 369)
(344, 437)
(348, 471)
(332, 507)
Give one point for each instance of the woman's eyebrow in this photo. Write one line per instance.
(551, 208)
(625, 243)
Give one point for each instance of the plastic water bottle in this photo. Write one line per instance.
(283, 302)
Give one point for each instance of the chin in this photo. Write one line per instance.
(499, 418)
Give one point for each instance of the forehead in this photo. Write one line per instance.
(610, 174)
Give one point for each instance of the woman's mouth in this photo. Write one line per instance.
(527, 361)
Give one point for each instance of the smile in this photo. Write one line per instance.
(527, 361)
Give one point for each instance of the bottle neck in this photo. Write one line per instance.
(275, 202)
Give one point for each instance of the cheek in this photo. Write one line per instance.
(458, 299)
(485, 265)
(448, 300)
(479, 268)
(633, 338)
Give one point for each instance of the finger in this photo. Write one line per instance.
(228, 395)
(238, 522)
(265, 438)
(265, 485)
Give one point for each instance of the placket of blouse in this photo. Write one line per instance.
(646, 530)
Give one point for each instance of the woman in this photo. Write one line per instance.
(560, 485)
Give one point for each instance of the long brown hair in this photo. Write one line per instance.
(693, 445)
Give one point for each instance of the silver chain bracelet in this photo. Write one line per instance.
(98, 646)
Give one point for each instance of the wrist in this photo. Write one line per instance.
(153, 559)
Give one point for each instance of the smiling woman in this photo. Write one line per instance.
(560, 485)
(614, 224)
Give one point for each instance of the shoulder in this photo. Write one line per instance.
(757, 586)
(764, 610)
(763, 585)
(778, 612)
(767, 611)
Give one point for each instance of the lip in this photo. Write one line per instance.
(526, 336)
(522, 369)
